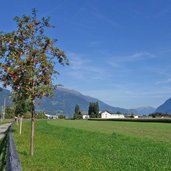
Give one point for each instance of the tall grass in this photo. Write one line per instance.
(59, 146)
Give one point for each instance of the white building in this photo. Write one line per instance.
(108, 115)
(51, 116)
(85, 116)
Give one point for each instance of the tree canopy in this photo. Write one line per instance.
(77, 114)
(28, 57)
(93, 110)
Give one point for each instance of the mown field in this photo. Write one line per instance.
(68, 145)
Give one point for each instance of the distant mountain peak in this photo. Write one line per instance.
(68, 90)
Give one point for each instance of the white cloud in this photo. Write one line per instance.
(123, 62)
(137, 56)
(167, 81)
(141, 56)
(82, 67)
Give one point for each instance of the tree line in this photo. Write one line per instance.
(93, 111)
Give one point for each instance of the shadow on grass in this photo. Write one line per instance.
(24, 153)
(13, 130)
(3, 147)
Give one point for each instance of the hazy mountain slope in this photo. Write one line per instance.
(4, 94)
(64, 101)
(165, 107)
(145, 110)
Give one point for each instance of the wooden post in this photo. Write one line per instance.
(21, 121)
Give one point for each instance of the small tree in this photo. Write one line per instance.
(21, 104)
(90, 110)
(77, 114)
(28, 61)
(9, 112)
(61, 116)
(97, 110)
(41, 115)
(93, 110)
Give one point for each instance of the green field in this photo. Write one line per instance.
(96, 145)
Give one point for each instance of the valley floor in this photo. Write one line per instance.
(69, 145)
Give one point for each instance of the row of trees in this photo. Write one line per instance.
(93, 111)
(159, 115)
(11, 112)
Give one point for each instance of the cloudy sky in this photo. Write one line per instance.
(119, 51)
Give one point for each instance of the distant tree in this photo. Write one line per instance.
(40, 115)
(9, 112)
(61, 116)
(21, 104)
(132, 116)
(93, 110)
(27, 115)
(159, 115)
(77, 114)
(90, 109)
(28, 59)
(97, 109)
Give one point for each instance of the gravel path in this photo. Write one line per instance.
(3, 129)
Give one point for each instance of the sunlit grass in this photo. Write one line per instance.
(90, 145)
(156, 131)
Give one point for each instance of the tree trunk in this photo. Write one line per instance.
(32, 130)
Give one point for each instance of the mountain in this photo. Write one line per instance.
(165, 107)
(64, 100)
(4, 96)
(145, 110)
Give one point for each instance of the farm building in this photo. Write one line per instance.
(51, 116)
(85, 115)
(108, 115)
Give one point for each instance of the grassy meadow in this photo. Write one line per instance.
(73, 145)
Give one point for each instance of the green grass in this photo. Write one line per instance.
(6, 121)
(92, 145)
(156, 131)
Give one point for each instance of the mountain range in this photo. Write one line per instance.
(64, 100)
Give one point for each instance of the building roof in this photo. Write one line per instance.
(110, 113)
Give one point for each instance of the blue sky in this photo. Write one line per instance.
(119, 51)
